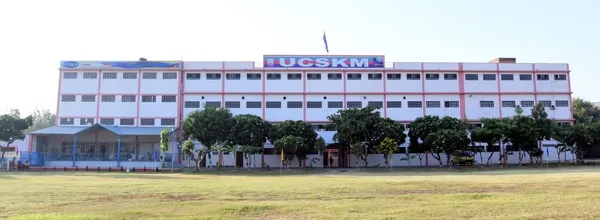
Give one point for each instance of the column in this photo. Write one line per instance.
(118, 150)
(74, 149)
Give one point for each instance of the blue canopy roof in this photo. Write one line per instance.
(80, 130)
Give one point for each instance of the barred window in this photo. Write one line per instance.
(127, 121)
(507, 77)
(86, 121)
(486, 104)
(413, 76)
(253, 104)
(546, 103)
(90, 75)
(167, 121)
(88, 98)
(213, 76)
(212, 105)
(233, 76)
(560, 77)
(543, 77)
(128, 98)
(169, 75)
(273, 76)
(525, 77)
(69, 75)
(147, 121)
(107, 121)
(354, 76)
(191, 104)
(108, 98)
(335, 104)
(375, 76)
(313, 104)
(471, 77)
(232, 104)
(169, 98)
(375, 104)
(450, 76)
(294, 104)
(394, 76)
(193, 76)
(334, 76)
(451, 104)
(509, 104)
(354, 104)
(109, 75)
(432, 76)
(527, 103)
(294, 76)
(273, 104)
(394, 104)
(67, 98)
(253, 76)
(489, 77)
(313, 76)
(67, 121)
(149, 75)
(562, 103)
(433, 104)
(414, 104)
(148, 98)
(129, 75)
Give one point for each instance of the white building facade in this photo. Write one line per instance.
(141, 98)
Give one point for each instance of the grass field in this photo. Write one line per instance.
(568, 193)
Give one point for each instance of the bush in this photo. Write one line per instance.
(133, 170)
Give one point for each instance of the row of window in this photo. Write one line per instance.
(126, 75)
(122, 121)
(359, 104)
(372, 76)
(124, 98)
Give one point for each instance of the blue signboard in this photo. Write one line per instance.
(119, 64)
(324, 61)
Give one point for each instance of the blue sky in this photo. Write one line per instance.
(36, 35)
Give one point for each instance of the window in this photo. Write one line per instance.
(108, 98)
(129, 75)
(273, 76)
(375, 104)
(107, 121)
(213, 76)
(191, 104)
(375, 76)
(451, 104)
(148, 75)
(354, 104)
(232, 104)
(86, 121)
(233, 76)
(67, 121)
(560, 77)
(88, 98)
(314, 104)
(67, 98)
(509, 104)
(414, 104)
(193, 76)
(169, 98)
(90, 75)
(253, 104)
(413, 76)
(546, 103)
(212, 105)
(507, 77)
(169, 75)
(527, 103)
(294, 76)
(354, 76)
(167, 121)
(313, 76)
(334, 76)
(335, 104)
(294, 104)
(450, 76)
(69, 75)
(128, 98)
(489, 76)
(253, 76)
(394, 104)
(432, 76)
(127, 121)
(432, 104)
(543, 77)
(486, 104)
(471, 77)
(148, 98)
(525, 77)
(273, 105)
(394, 76)
(562, 103)
(109, 75)
(147, 121)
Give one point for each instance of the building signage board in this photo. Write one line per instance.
(120, 64)
(297, 61)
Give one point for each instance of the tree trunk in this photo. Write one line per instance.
(490, 158)
(520, 156)
(420, 159)
(357, 159)
(448, 160)
(438, 158)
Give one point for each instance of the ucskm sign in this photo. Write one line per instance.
(324, 62)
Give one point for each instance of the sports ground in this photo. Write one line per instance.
(509, 193)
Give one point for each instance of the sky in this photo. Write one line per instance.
(36, 35)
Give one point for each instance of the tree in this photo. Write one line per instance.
(585, 111)
(521, 131)
(358, 149)
(416, 147)
(299, 129)
(12, 128)
(423, 127)
(491, 133)
(387, 148)
(561, 134)
(288, 145)
(210, 127)
(544, 128)
(189, 149)
(250, 151)
(320, 144)
(42, 118)
(250, 132)
(165, 137)
(582, 137)
(447, 141)
(364, 126)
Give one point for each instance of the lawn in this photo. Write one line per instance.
(568, 193)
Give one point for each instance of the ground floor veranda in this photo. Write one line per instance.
(110, 146)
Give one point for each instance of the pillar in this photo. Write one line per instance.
(74, 149)
(118, 150)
